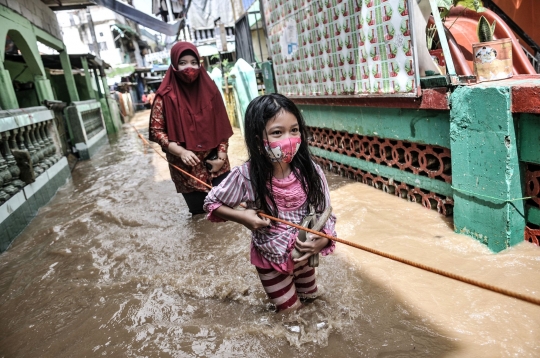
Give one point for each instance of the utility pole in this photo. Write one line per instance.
(92, 31)
(233, 11)
(169, 9)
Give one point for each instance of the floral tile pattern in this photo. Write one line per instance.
(341, 47)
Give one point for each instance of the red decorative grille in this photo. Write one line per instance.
(430, 200)
(532, 188)
(532, 235)
(427, 160)
(533, 184)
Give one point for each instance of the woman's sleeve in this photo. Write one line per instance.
(223, 147)
(158, 126)
(330, 227)
(232, 191)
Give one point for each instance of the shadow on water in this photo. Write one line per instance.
(114, 265)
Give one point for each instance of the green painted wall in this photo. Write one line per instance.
(20, 72)
(486, 173)
(529, 137)
(58, 83)
(481, 133)
(82, 88)
(418, 126)
(533, 215)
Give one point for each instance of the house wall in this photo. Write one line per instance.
(37, 13)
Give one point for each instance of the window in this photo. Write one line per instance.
(102, 46)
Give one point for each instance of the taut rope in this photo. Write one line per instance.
(470, 281)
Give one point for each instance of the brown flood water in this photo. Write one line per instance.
(115, 266)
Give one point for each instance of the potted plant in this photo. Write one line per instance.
(432, 38)
(445, 6)
(435, 51)
(492, 58)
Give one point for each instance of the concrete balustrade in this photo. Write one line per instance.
(87, 127)
(31, 167)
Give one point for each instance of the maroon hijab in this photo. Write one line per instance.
(194, 112)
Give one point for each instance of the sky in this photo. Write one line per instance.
(146, 7)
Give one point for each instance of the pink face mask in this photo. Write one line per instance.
(282, 150)
(189, 74)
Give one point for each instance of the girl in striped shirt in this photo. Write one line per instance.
(282, 180)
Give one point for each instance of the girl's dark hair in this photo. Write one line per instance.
(259, 112)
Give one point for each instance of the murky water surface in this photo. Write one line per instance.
(115, 266)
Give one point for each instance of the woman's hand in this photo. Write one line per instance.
(187, 156)
(218, 163)
(313, 245)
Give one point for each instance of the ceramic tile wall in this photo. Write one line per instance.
(340, 47)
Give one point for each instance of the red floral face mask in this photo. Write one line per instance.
(189, 74)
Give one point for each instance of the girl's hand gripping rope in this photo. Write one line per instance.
(253, 221)
(249, 217)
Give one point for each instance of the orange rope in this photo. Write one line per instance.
(486, 286)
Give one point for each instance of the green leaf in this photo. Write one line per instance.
(484, 30)
(445, 3)
(475, 5)
(444, 13)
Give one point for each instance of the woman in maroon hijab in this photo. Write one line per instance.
(190, 122)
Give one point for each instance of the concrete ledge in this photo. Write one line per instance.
(526, 100)
(31, 189)
(432, 98)
(19, 210)
(18, 118)
(11, 205)
(525, 91)
(87, 151)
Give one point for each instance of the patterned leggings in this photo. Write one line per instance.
(284, 290)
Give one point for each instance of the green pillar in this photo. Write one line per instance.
(43, 88)
(8, 99)
(104, 83)
(114, 112)
(68, 75)
(88, 79)
(486, 173)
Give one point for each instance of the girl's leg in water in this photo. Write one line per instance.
(304, 280)
(282, 288)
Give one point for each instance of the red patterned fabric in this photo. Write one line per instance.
(194, 112)
(183, 183)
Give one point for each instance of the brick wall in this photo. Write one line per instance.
(37, 13)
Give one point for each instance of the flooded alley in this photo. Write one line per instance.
(115, 266)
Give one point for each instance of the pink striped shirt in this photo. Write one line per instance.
(272, 246)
